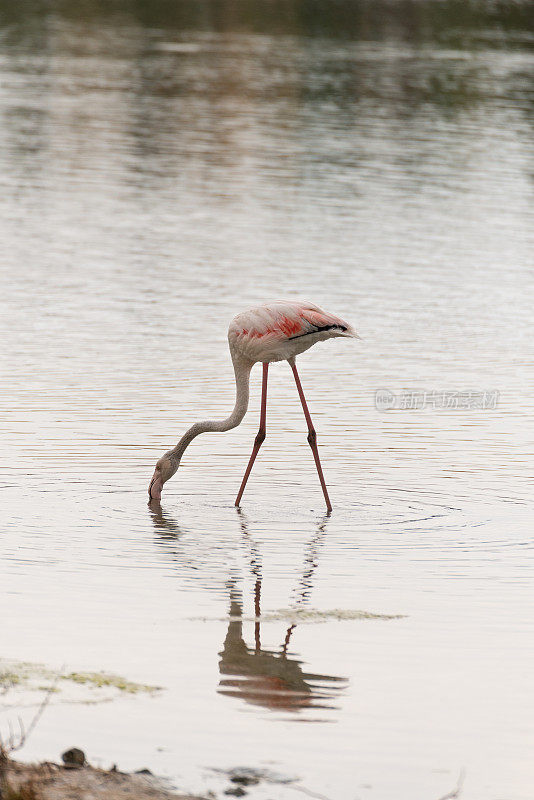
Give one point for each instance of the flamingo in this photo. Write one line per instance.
(277, 331)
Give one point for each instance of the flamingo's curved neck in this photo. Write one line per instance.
(242, 369)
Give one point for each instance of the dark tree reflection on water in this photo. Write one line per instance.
(450, 21)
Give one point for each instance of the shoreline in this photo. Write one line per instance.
(51, 781)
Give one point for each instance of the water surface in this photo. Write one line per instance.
(164, 166)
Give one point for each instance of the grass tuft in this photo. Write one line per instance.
(102, 679)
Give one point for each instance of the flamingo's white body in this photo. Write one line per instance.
(282, 330)
(275, 331)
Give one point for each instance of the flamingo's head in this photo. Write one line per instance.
(165, 469)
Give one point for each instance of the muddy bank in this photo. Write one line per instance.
(50, 781)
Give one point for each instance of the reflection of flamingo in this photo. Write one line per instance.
(273, 332)
(265, 677)
(166, 526)
(268, 678)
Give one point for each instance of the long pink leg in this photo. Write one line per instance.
(260, 436)
(312, 436)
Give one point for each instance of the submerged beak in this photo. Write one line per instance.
(156, 486)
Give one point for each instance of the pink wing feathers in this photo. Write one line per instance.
(268, 332)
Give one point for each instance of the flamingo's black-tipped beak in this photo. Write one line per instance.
(156, 486)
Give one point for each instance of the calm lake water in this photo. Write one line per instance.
(164, 166)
